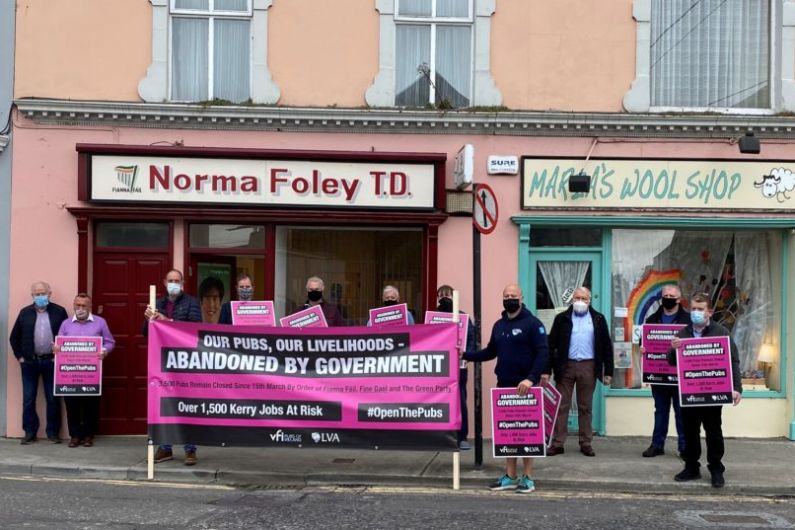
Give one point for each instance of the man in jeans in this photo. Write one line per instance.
(31, 341)
(176, 306)
(665, 396)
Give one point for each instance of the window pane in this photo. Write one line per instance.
(354, 264)
(710, 53)
(412, 51)
(189, 66)
(452, 8)
(453, 65)
(139, 235)
(226, 236)
(231, 5)
(415, 8)
(565, 237)
(740, 271)
(231, 60)
(202, 5)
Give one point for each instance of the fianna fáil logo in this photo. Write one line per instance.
(127, 177)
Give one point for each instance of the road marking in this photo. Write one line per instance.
(132, 483)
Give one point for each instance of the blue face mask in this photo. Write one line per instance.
(698, 318)
(41, 300)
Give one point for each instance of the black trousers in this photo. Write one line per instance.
(710, 417)
(82, 415)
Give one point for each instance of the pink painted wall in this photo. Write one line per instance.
(568, 55)
(44, 238)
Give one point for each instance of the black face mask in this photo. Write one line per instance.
(445, 304)
(314, 296)
(669, 303)
(511, 305)
(390, 302)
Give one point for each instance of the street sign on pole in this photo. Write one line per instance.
(485, 212)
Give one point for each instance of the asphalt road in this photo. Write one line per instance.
(36, 503)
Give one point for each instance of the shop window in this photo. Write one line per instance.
(355, 265)
(566, 237)
(209, 49)
(132, 235)
(227, 236)
(712, 55)
(434, 53)
(740, 270)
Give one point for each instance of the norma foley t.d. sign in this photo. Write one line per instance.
(261, 182)
(660, 184)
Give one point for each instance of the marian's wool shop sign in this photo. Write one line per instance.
(261, 182)
(386, 388)
(660, 184)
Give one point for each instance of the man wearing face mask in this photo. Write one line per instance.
(444, 298)
(176, 306)
(314, 296)
(245, 293)
(82, 412)
(31, 341)
(519, 343)
(391, 296)
(580, 353)
(669, 312)
(693, 418)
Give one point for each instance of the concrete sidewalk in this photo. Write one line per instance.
(753, 466)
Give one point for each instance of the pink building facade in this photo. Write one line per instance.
(286, 139)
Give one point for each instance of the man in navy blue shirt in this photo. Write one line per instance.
(519, 343)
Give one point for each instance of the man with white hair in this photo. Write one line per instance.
(32, 339)
(391, 296)
(314, 296)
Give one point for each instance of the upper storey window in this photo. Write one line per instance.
(210, 50)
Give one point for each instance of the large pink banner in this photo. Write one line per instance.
(517, 423)
(656, 343)
(394, 388)
(705, 371)
(78, 368)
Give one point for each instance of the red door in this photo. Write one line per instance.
(120, 295)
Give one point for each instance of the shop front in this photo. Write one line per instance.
(721, 227)
(357, 220)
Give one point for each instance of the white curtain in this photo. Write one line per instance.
(231, 5)
(452, 8)
(562, 276)
(453, 64)
(412, 49)
(201, 5)
(231, 60)
(189, 64)
(710, 53)
(415, 8)
(754, 307)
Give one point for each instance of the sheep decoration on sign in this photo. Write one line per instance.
(777, 184)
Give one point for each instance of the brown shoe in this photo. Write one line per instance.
(162, 455)
(74, 442)
(89, 441)
(587, 450)
(190, 458)
(552, 451)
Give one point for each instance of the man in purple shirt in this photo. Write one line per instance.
(82, 412)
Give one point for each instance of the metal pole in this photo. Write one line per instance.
(478, 377)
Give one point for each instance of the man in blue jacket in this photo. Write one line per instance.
(519, 342)
(31, 341)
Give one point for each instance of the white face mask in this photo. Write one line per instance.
(580, 307)
(174, 289)
(81, 314)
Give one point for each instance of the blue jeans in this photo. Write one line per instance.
(189, 448)
(32, 371)
(665, 396)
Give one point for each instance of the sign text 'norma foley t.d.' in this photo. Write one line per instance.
(394, 388)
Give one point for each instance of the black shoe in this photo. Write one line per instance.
(717, 479)
(552, 451)
(53, 439)
(653, 451)
(687, 474)
(28, 439)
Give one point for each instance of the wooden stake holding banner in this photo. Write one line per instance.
(150, 448)
(457, 453)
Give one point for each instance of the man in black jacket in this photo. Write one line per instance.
(708, 416)
(580, 353)
(669, 312)
(31, 341)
